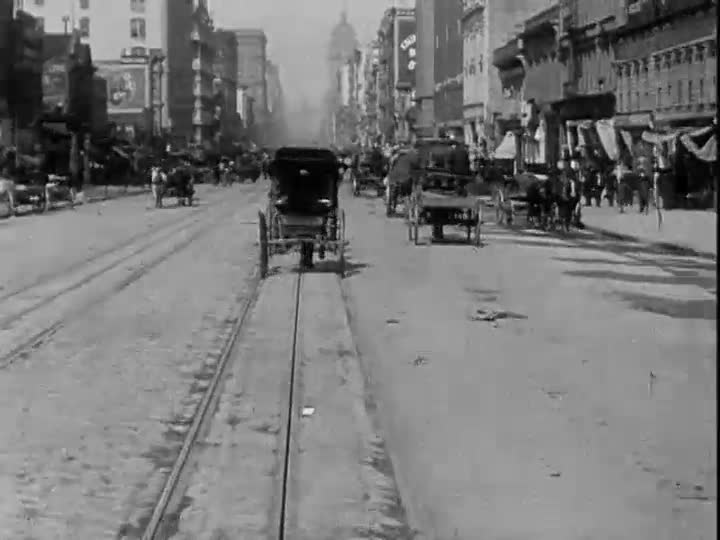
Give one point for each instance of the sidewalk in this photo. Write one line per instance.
(688, 231)
(100, 193)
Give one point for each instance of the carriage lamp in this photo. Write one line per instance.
(325, 202)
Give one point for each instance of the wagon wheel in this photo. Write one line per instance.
(388, 200)
(263, 240)
(355, 186)
(478, 223)
(499, 201)
(408, 218)
(416, 221)
(341, 244)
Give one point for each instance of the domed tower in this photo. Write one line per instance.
(342, 46)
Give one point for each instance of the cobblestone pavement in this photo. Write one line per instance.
(540, 387)
(695, 230)
(93, 415)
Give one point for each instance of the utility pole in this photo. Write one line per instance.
(66, 21)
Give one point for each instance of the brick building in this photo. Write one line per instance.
(425, 66)
(397, 41)
(666, 64)
(225, 84)
(252, 77)
(6, 15)
(487, 26)
(448, 67)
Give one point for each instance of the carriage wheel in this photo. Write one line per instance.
(416, 223)
(408, 219)
(478, 224)
(499, 209)
(355, 186)
(263, 240)
(341, 258)
(342, 225)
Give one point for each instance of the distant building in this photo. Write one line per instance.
(6, 15)
(425, 67)
(449, 67)
(397, 40)
(225, 82)
(252, 65)
(139, 29)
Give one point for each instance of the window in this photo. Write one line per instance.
(691, 97)
(85, 27)
(481, 65)
(658, 97)
(40, 23)
(701, 90)
(137, 28)
(39, 2)
(84, 4)
(138, 6)
(680, 97)
(669, 94)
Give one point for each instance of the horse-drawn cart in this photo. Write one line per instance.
(547, 201)
(439, 199)
(364, 177)
(303, 209)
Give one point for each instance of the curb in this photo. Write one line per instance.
(671, 247)
(92, 200)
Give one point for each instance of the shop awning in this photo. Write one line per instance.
(608, 138)
(697, 143)
(507, 149)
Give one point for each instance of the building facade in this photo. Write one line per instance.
(487, 26)
(448, 95)
(6, 16)
(425, 67)
(225, 84)
(666, 65)
(397, 40)
(252, 75)
(370, 126)
(203, 41)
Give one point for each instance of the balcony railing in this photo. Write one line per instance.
(470, 6)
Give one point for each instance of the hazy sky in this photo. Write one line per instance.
(298, 32)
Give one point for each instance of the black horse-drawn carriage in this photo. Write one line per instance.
(178, 181)
(303, 208)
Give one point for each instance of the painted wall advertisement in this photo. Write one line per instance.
(55, 83)
(407, 54)
(127, 86)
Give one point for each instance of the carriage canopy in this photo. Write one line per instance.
(306, 179)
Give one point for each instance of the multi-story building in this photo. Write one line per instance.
(425, 66)
(449, 68)
(252, 65)
(341, 48)
(370, 128)
(666, 64)
(203, 43)
(487, 26)
(225, 83)
(398, 52)
(277, 127)
(6, 16)
(154, 31)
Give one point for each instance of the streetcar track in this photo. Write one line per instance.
(159, 516)
(48, 277)
(7, 321)
(36, 340)
(161, 519)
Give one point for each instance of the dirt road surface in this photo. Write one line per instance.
(540, 387)
(94, 410)
(537, 387)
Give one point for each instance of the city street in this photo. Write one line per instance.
(536, 387)
(108, 316)
(540, 387)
